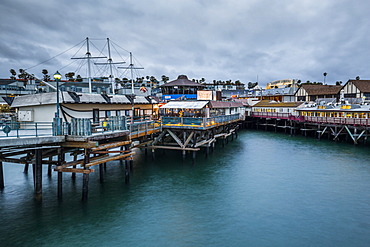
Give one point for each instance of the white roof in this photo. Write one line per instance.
(185, 104)
(65, 97)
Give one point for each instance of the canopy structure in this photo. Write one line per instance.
(185, 105)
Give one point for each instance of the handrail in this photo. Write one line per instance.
(194, 122)
(25, 129)
(313, 119)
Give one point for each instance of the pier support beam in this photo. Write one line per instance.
(61, 157)
(85, 186)
(1, 176)
(101, 175)
(60, 185)
(26, 166)
(127, 171)
(38, 174)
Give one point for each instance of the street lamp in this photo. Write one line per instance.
(57, 77)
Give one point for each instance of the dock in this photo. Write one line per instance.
(90, 147)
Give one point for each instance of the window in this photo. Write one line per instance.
(350, 95)
(96, 115)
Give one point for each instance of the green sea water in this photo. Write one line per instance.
(261, 189)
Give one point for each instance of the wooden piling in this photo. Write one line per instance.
(61, 158)
(101, 176)
(1, 176)
(26, 166)
(60, 185)
(85, 186)
(50, 166)
(127, 173)
(38, 174)
(75, 157)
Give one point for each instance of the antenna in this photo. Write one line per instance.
(88, 57)
(110, 63)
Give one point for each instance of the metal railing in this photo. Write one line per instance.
(26, 129)
(144, 128)
(78, 127)
(312, 119)
(337, 120)
(193, 122)
(271, 115)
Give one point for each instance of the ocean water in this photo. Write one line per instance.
(261, 189)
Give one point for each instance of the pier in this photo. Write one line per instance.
(84, 147)
(355, 130)
(90, 146)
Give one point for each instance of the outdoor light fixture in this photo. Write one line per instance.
(57, 77)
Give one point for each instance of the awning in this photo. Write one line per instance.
(185, 105)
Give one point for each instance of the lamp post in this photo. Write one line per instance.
(57, 77)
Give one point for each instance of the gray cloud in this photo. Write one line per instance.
(217, 40)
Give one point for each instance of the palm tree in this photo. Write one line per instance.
(70, 76)
(165, 78)
(46, 76)
(325, 76)
(14, 73)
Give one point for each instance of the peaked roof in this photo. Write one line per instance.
(362, 85)
(268, 103)
(182, 80)
(70, 97)
(225, 104)
(317, 89)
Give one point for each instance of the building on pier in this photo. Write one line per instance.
(97, 107)
(311, 92)
(181, 88)
(283, 109)
(190, 125)
(359, 89)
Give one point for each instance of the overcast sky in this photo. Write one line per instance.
(212, 39)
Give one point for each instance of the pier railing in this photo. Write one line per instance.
(200, 123)
(337, 120)
(144, 128)
(272, 115)
(25, 129)
(78, 127)
(309, 119)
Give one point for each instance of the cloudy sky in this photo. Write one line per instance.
(212, 39)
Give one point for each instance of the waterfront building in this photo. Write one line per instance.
(181, 88)
(280, 84)
(14, 87)
(357, 89)
(41, 107)
(311, 92)
(280, 94)
(276, 108)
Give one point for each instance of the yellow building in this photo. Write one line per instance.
(280, 84)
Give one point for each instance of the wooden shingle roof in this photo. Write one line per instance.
(314, 89)
(362, 85)
(267, 103)
(182, 80)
